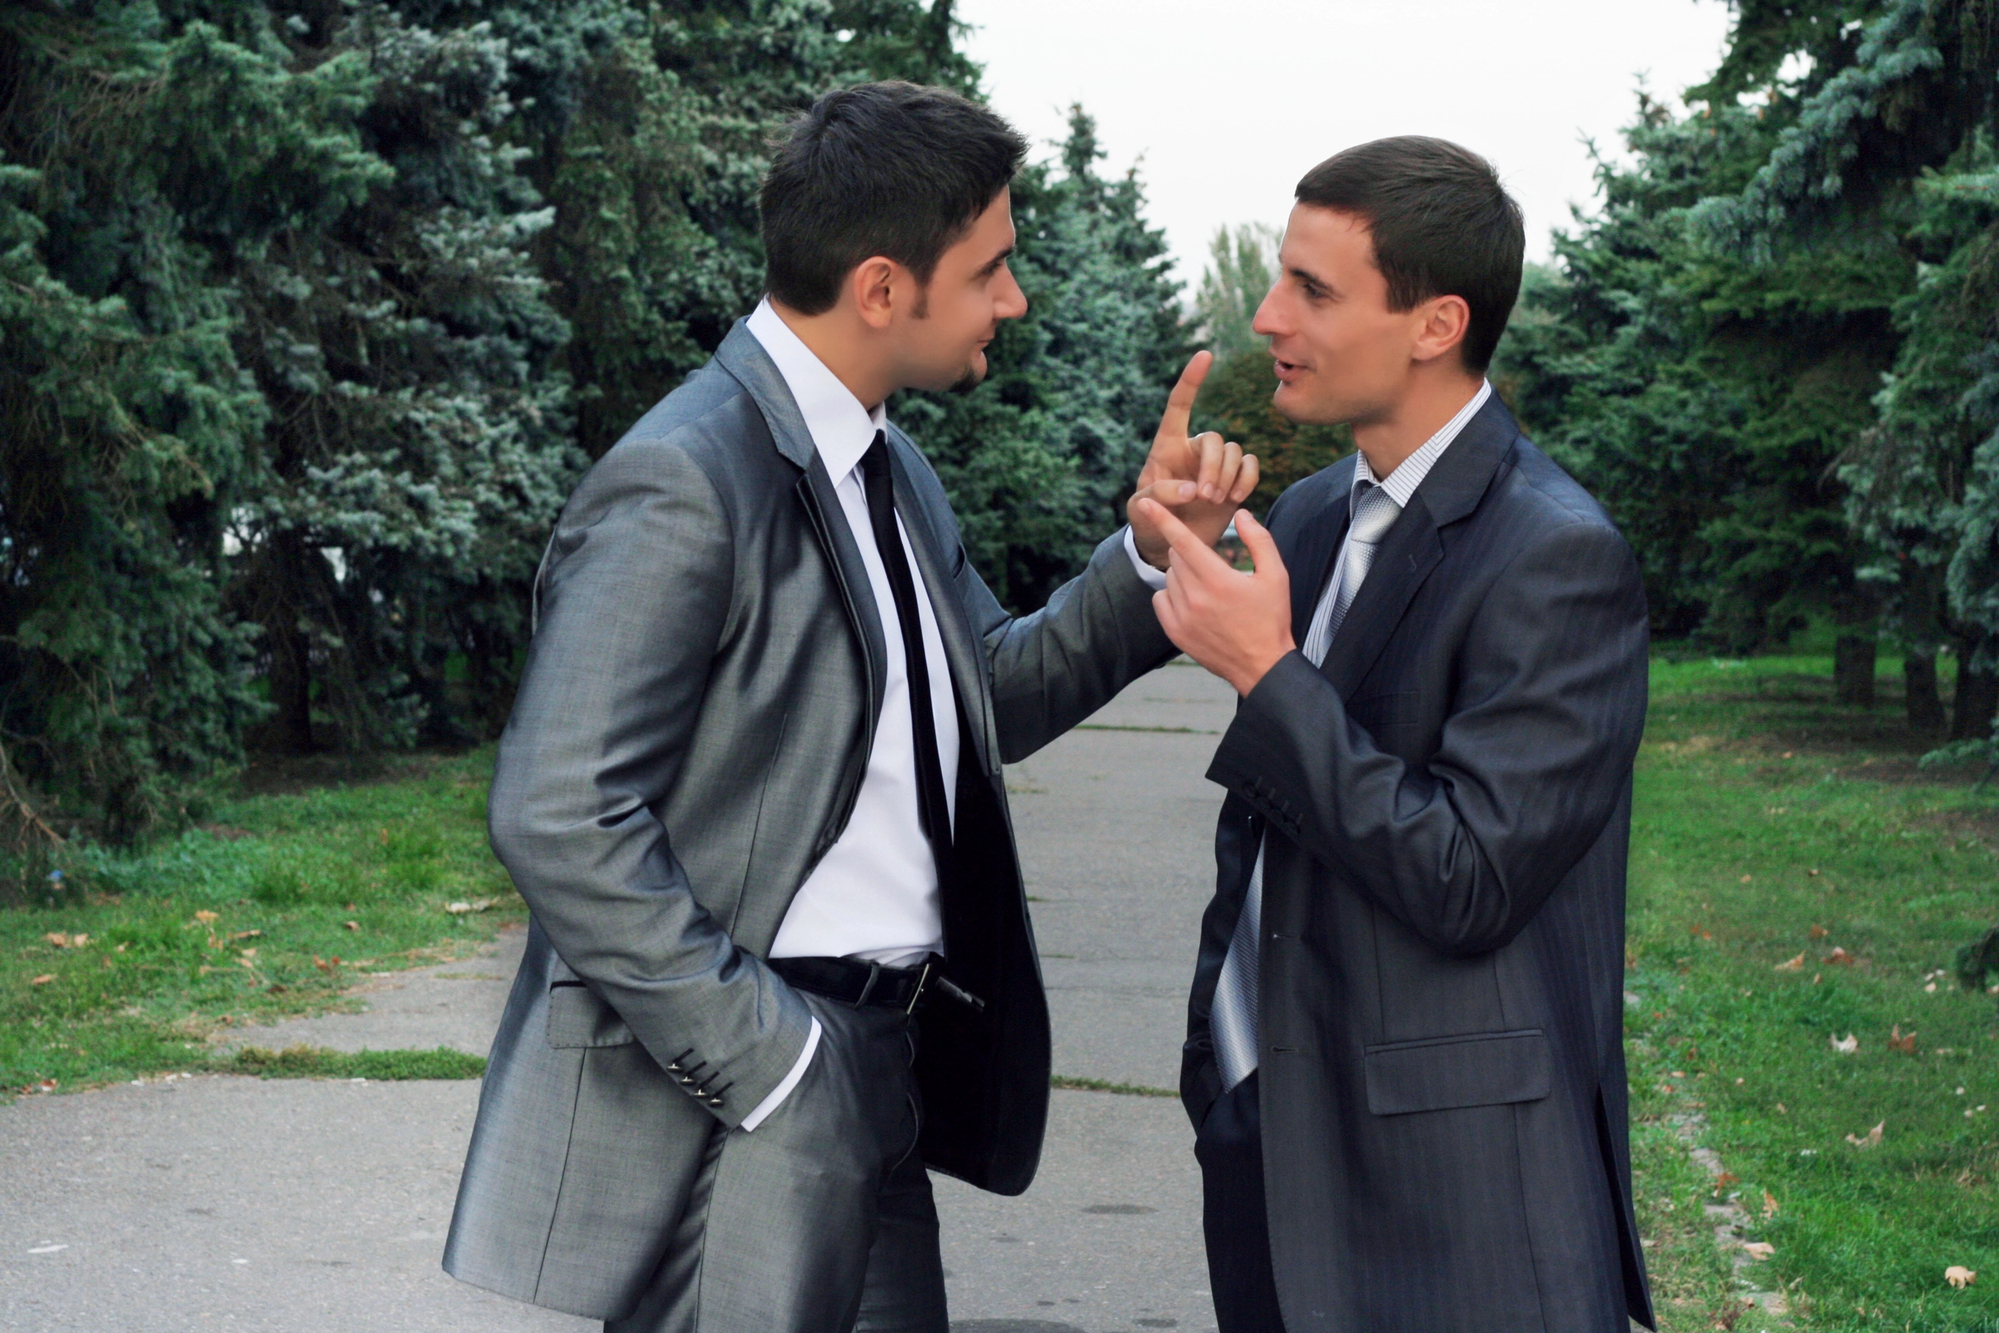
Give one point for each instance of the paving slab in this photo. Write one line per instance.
(296, 1206)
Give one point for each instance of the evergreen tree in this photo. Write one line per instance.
(1898, 143)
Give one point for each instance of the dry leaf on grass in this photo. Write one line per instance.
(204, 916)
(62, 941)
(1840, 957)
(1818, 932)
(1759, 1250)
(1769, 1204)
(351, 925)
(43, 980)
(1792, 965)
(1846, 1045)
(1873, 1139)
(477, 905)
(1898, 1042)
(1724, 1180)
(1959, 1276)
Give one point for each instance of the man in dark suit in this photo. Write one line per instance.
(751, 787)
(1405, 1060)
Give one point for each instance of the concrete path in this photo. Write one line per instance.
(302, 1206)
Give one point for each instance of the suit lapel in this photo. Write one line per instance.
(1414, 547)
(744, 357)
(1310, 558)
(961, 647)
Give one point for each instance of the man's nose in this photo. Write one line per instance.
(1267, 321)
(1012, 302)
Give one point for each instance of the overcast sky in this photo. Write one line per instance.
(1224, 105)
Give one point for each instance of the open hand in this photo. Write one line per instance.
(1236, 625)
(1201, 480)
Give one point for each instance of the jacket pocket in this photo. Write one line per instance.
(576, 1017)
(1442, 1073)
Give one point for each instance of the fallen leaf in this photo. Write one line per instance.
(477, 905)
(1769, 1204)
(1873, 1139)
(1846, 1045)
(1818, 932)
(1747, 878)
(1792, 965)
(246, 935)
(1840, 957)
(43, 980)
(204, 916)
(1959, 1276)
(249, 953)
(350, 907)
(1898, 1042)
(1724, 1180)
(1931, 988)
(1812, 871)
(1759, 1250)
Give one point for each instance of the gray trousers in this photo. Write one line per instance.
(821, 1220)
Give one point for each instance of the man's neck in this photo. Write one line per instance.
(1387, 440)
(843, 343)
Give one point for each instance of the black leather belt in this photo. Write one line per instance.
(855, 982)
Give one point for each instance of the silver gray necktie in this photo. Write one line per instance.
(1233, 1019)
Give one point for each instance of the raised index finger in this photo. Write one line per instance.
(1180, 403)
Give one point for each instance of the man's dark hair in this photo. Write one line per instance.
(888, 169)
(1442, 225)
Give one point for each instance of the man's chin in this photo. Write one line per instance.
(974, 375)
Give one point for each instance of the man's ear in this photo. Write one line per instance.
(876, 284)
(1444, 322)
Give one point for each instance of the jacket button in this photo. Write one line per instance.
(714, 1101)
(687, 1080)
(673, 1068)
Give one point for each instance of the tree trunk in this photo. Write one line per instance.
(1919, 691)
(1976, 700)
(291, 649)
(1853, 669)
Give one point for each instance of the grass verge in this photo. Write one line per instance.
(319, 1062)
(1797, 879)
(284, 901)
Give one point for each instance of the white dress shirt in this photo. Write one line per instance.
(874, 894)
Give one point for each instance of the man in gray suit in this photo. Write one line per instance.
(1405, 1061)
(780, 960)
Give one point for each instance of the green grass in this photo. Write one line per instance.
(1770, 823)
(244, 920)
(318, 1062)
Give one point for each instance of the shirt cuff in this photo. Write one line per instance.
(783, 1090)
(1154, 579)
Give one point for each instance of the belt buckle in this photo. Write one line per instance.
(922, 981)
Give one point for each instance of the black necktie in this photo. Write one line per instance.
(931, 806)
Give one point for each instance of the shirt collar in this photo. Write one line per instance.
(840, 427)
(1402, 483)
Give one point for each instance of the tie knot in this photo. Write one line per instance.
(1374, 513)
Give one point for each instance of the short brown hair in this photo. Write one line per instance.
(1442, 225)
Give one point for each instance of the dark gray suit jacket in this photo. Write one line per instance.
(1448, 805)
(690, 734)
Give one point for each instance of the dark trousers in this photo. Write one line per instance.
(1229, 1148)
(821, 1220)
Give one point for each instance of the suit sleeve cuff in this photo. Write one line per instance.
(1154, 579)
(783, 1090)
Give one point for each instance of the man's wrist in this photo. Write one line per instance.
(1252, 674)
(1153, 575)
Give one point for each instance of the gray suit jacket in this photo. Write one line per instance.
(690, 734)
(1448, 804)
